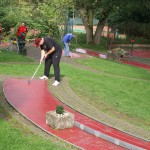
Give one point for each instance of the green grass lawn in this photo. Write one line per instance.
(128, 96)
(11, 56)
(16, 138)
(115, 89)
(115, 68)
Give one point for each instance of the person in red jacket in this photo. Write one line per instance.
(21, 35)
(22, 31)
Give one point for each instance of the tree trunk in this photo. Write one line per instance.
(87, 18)
(98, 32)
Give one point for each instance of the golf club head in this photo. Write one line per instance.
(29, 82)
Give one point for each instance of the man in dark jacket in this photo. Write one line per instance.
(50, 52)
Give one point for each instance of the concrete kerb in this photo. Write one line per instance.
(107, 137)
(135, 45)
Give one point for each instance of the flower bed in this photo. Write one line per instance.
(118, 53)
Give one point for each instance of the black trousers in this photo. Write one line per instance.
(21, 45)
(54, 59)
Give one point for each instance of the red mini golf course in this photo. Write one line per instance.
(141, 53)
(34, 100)
(135, 53)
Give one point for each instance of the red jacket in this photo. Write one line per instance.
(22, 31)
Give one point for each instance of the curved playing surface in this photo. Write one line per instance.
(34, 100)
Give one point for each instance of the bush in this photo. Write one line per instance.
(118, 53)
(59, 109)
(81, 42)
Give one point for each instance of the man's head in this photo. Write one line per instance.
(72, 35)
(38, 42)
(23, 24)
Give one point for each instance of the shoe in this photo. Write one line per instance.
(55, 83)
(44, 77)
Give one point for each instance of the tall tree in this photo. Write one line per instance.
(86, 9)
(103, 9)
(116, 11)
(99, 9)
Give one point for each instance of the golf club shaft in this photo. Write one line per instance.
(35, 71)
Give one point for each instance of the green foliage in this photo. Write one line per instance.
(81, 42)
(104, 8)
(81, 38)
(59, 109)
(132, 18)
(45, 16)
(131, 11)
(49, 16)
(135, 29)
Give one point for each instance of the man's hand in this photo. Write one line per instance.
(42, 56)
(41, 61)
(45, 55)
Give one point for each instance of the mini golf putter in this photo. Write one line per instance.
(29, 81)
